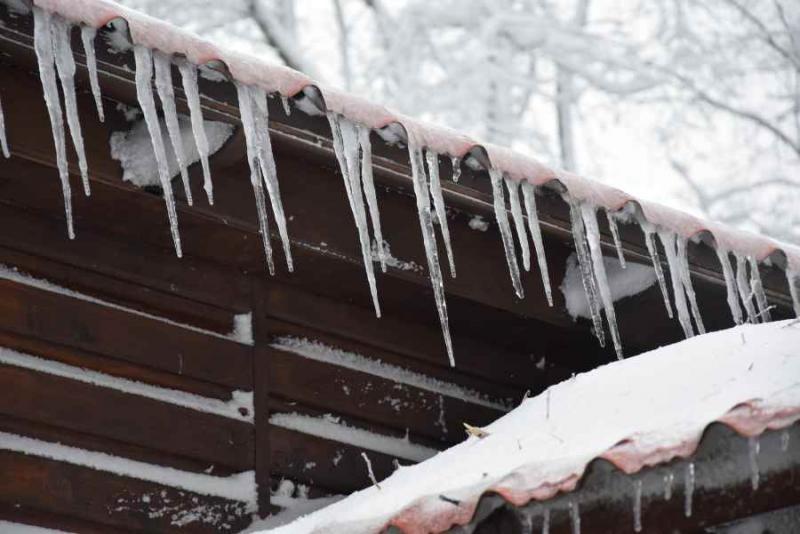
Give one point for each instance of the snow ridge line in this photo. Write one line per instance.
(230, 409)
(238, 487)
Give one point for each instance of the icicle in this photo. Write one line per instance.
(637, 505)
(43, 44)
(246, 114)
(546, 521)
(686, 279)
(526, 522)
(529, 197)
(3, 139)
(189, 83)
(422, 194)
(346, 147)
(519, 222)
(163, 70)
(668, 240)
(593, 238)
(730, 285)
(753, 448)
(587, 271)
(65, 65)
(688, 488)
(757, 287)
(793, 279)
(285, 103)
(575, 517)
(662, 282)
(269, 173)
(505, 229)
(435, 185)
(456, 168)
(669, 480)
(744, 289)
(785, 440)
(612, 225)
(368, 184)
(87, 37)
(144, 91)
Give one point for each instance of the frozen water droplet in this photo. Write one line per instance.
(43, 45)
(546, 521)
(669, 480)
(688, 489)
(456, 168)
(757, 287)
(686, 281)
(587, 270)
(785, 440)
(505, 229)
(189, 83)
(529, 198)
(753, 448)
(435, 185)
(730, 285)
(87, 38)
(654, 257)
(144, 92)
(637, 505)
(368, 183)
(575, 517)
(668, 241)
(3, 138)
(744, 288)
(612, 225)
(519, 222)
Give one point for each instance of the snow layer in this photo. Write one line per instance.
(631, 280)
(635, 412)
(134, 150)
(8, 527)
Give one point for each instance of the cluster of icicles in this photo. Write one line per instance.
(351, 143)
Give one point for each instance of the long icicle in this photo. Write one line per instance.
(248, 125)
(144, 91)
(757, 286)
(793, 279)
(43, 44)
(422, 194)
(189, 83)
(432, 158)
(732, 293)
(519, 221)
(686, 280)
(668, 241)
(268, 170)
(654, 257)
(65, 65)
(87, 38)
(744, 288)
(163, 70)
(3, 138)
(612, 225)
(501, 215)
(529, 197)
(589, 215)
(587, 271)
(368, 184)
(346, 147)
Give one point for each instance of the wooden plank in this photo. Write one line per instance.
(68, 321)
(26, 515)
(112, 414)
(262, 387)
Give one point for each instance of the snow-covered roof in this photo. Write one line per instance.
(634, 413)
(160, 35)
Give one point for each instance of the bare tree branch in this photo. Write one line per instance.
(280, 39)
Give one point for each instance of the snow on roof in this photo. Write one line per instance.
(155, 34)
(634, 413)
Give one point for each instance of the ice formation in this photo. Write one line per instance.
(732, 294)
(456, 162)
(3, 138)
(189, 83)
(546, 521)
(612, 225)
(637, 505)
(587, 271)
(742, 283)
(652, 249)
(529, 198)
(678, 292)
(435, 185)
(368, 183)
(757, 287)
(501, 215)
(754, 448)
(87, 38)
(575, 516)
(519, 222)
(686, 280)
(669, 480)
(688, 489)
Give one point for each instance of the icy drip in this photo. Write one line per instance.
(519, 222)
(501, 215)
(654, 257)
(688, 489)
(246, 114)
(753, 448)
(285, 103)
(87, 38)
(368, 184)
(757, 288)
(546, 521)
(785, 440)
(612, 225)
(637, 505)
(144, 92)
(669, 480)
(163, 70)
(189, 83)
(65, 65)
(529, 198)
(593, 238)
(456, 168)
(266, 162)
(793, 279)
(43, 44)
(730, 285)
(744, 289)
(435, 185)
(686, 280)
(575, 517)
(668, 241)
(587, 272)
(422, 194)
(3, 139)
(346, 147)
